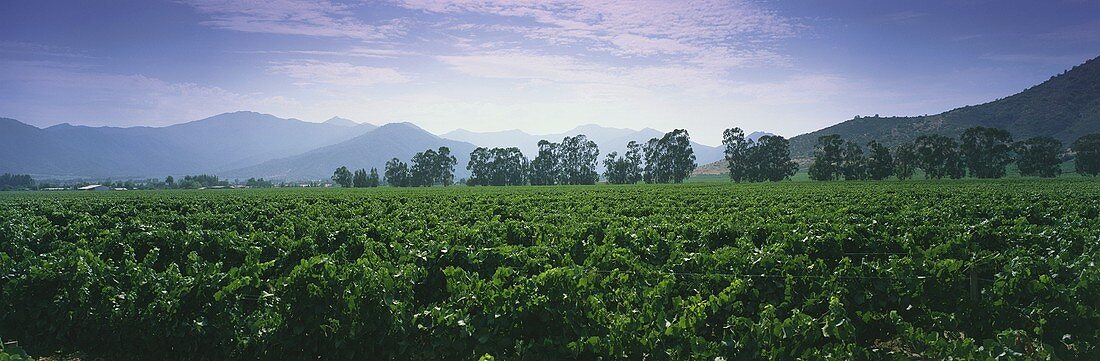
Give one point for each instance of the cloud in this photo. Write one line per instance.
(904, 17)
(34, 89)
(1035, 58)
(23, 48)
(567, 69)
(634, 28)
(292, 17)
(357, 52)
(344, 74)
(1083, 33)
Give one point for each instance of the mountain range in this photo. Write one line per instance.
(248, 144)
(219, 143)
(369, 150)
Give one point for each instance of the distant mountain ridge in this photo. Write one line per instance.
(345, 122)
(371, 149)
(1065, 107)
(248, 144)
(218, 143)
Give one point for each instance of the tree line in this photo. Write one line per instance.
(980, 152)
(767, 159)
(574, 160)
(10, 181)
(358, 179)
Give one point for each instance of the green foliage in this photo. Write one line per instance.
(1038, 156)
(429, 168)
(201, 180)
(737, 153)
(343, 177)
(828, 157)
(770, 160)
(938, 156)
(668, 159)
(1087, 148)
(497, 167)
(397, 173)
(972, 269)
(626, 169)
(372, 179)
(573, 161)
(766, 160)
(854, 165)
(10, 181)
(258, 183)
(880, 164)
(12, 352)
(987, 151)
(359, 178)
(905, 161)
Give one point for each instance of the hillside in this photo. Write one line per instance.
(1065, 107)
(372, 149)
(222, 142)
(345, 122)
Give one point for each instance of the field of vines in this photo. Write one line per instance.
(854, 270)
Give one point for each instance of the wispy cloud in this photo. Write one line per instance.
(567, 69)
(967, 37)
(293, 17)
(635, 28)
(904, 17)
(357, 52)
(23, 48)
(1086, 32)
(1035, 58)
(101, 98)
(318, 72)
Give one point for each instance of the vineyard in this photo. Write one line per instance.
(855, 270)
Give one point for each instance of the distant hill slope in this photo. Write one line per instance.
(345, 122)
(222, 142)
(372, 149)
(607, 138)
(1065, 107)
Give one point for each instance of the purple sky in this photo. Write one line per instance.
(541, 66)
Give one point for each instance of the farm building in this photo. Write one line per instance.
(94, 187)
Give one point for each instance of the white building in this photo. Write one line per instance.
(94, 187)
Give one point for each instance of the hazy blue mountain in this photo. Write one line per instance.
(371, 149)
(1065, 107)
(527, 143)
(222, 142)
(27, 149)
(345, 122)
(755, 136)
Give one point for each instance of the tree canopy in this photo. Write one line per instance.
(1038, 156)
(669, 159)
(497, 167)
(766, 160)
(1087, 161)
(986, 151)
(938, 156)
(573, 161)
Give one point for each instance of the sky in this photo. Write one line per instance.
(546, 66)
